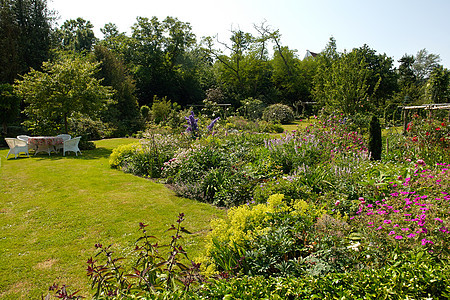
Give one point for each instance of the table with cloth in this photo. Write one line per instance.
(44, 143)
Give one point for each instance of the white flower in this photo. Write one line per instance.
(354, 246)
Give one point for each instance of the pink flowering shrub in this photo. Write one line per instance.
(415, 213)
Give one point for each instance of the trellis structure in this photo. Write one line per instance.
(429, 107)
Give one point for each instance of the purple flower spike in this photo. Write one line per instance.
(211, 125)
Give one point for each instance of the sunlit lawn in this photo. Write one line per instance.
(298, 124)
(54, 209)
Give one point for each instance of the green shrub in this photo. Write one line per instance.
(407, 276)
(163, 110)
(252, 109)
(279, 113)
(215, 170)
(145, 112)
(290, 186)
(263, 239)
(375, 141)
(270, 127)
(121, 153)
(147, 157)
(88, 128)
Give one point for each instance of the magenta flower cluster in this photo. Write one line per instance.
(411, 215)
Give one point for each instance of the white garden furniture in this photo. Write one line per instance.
(45, 143)
(16, 147)
(65, 137)
(71, 145)
(25, 138)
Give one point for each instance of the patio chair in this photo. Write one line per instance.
(71, 145)
(16, 146)
(65, 137)
(25, 138)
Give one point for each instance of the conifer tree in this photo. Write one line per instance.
(375, 141)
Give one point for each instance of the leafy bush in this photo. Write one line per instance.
(252, 109)
(145, 112)
(163, 110)
(407, 276)
(215, 170)
(278, 113)
(145, 158)
(120, 154)
(88, 128)
(290, 186)
(263, 239)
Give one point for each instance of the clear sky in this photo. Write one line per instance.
(394, 27)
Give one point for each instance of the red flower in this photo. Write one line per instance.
(439, 128)
(414, 139)
(442, 124)
(427, 134)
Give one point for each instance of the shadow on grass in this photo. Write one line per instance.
(97, 153)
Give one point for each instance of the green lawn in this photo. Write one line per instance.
(54, 209)
(299, 124)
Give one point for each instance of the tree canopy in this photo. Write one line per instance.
(64, 88)
(162, 59)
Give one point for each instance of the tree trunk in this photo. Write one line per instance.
(65, 124)
(5, 128)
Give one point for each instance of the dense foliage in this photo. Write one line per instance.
(310, 214)
(163, 59)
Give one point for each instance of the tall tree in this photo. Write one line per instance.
(406, 73)
(325, 61)
(158, 47)
(9, 43)
(438, 86)
(424, 63)
(292, 83)
(115, 40)
(9, 106)
(123, 113)
(344, 85)
(65, 88)
(382, 80)
(410, 87)
(25, 36)
(76, 35)
(243, 65)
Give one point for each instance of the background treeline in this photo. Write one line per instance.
(64, 78)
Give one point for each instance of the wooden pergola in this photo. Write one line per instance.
(429, 107)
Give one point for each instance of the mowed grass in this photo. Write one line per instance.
(54, 209)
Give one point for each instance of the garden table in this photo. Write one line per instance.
(44, 143)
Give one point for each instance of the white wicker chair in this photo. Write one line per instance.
(65, 137)
(71, 145)
(16, 146)
(25, 138)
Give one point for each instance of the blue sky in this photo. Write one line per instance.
(394, 27)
